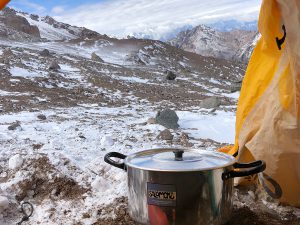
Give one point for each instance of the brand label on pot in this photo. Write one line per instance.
(161, 194)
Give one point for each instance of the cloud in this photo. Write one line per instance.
(57, 10)
(157, 17)
(30, 6)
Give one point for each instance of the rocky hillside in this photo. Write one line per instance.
(233, 45)
(20, 26)
(33, 43)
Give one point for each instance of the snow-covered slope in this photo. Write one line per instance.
(21, 24)
(245, 52)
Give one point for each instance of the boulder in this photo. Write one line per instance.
(45, 53)
(54, 66)
(170, 75)
(96, 58)
(235, 87)
(165, 135)
(14, 126)
(167, 118)
(41, 117)
(211, 102)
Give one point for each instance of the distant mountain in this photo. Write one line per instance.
(55, 57)
(223, 26)
(152, 35)
(230, 25)
(234, 45)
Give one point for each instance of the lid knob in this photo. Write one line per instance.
(178, 155)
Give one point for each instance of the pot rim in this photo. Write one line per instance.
(128, 164)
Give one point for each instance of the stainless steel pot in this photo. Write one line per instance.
(181, 186)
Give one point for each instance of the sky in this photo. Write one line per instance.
(155, 18)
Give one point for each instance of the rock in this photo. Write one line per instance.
(4, 203)
(34, 17)
(235, 87)
(184, 140)
(54, 66)
(151, 121)
(167, 118)
(45, 53)
(15, 162)
(170, 75)
(165, 135)
(41, 117)
(14, 126)
(184, 137)
(7, 53)
(211, 102)
(96, 58)
(5, 61)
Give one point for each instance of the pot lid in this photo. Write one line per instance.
(178, 160)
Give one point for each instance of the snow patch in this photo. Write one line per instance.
(21, 72)
(219, 127)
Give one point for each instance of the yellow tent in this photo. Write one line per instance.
(268, 113)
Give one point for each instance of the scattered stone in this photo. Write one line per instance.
(41, 117)
(167, 118)
(14, 126)
(184, 137)
(34, 17)
(7, 52)
(45, 53)
(15, 162)
(184, 140)
(4, 203)
(170, 75)
(211, 102)
(235, 87)
(37, 146)
(96, 58)
(213, 110)
(4, 60)
(54, 66)
(165, 135)
(151, 121)
(86, 216)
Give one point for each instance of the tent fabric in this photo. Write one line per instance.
(3, 3)
(268, 112)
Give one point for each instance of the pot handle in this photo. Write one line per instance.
(120, 165)
(247, 169)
